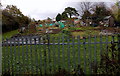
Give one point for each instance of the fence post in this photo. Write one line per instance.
(68, 52)
(49, 52)
(63, 53)
(84, 46)
(45, 56)
(119, 47)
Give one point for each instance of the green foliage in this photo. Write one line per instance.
(72, 28)
(117, 18)
(71, 11)
(81, 28)
(64, 15)
(10, 34)
(86, 15)
(13, 18)
(8, 22)
(116, 13)
(109, 63)
(67, 32)
(100, 13)
(49, 18)
(117, 3)
(58, 17)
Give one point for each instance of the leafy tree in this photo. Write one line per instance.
(49, 18)
(64, 15)
(116, 13)
(117, 19)
(100, 12)
(26, 19)
(12, 18)
(58, 17)
(8, 22)
(14, 11)
(71, 11)
(85, 10)
(17, 14)
(86, 15)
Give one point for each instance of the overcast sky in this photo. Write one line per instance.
(42, 9)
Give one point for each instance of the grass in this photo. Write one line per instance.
(85, 33)
(82, 31)
(10, 34)
(84, 28)
(35, 58)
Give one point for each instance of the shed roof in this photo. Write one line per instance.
(107, 17)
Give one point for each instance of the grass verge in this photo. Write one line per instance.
(10, 34)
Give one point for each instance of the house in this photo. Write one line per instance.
(108, 21)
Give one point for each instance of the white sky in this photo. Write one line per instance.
(41, 9)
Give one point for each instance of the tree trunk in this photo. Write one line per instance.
(70, 15)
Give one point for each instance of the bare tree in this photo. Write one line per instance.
(85, 6)
(85, 11)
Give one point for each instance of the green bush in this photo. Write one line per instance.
(67, 32)
(109, 63)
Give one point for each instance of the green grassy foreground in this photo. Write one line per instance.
(35, 59)
(10, 34)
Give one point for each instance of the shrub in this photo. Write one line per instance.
(109, 63)
(67, 32)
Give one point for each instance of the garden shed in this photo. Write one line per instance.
(109, 21)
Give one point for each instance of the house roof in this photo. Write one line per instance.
(107, 17)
